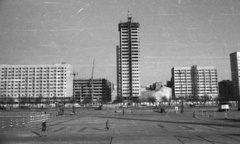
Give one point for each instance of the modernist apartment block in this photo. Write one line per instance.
(226, 90)
(235, 71)
(32, 81)
(128, 60)
(195, 81)
(100, 89)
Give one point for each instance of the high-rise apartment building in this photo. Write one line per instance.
(100, 89)
(235, 71)
(32, 81)
(226, 91)
(128, 60)
(195, 81)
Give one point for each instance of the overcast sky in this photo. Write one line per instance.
(172, 33)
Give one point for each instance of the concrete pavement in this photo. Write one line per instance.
(88, 127)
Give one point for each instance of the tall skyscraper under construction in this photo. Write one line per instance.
(128, 60)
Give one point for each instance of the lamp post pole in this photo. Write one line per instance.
(182, 105)
(74, 74)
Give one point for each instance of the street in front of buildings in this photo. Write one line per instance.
(135, 126)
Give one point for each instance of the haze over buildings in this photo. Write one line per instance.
(173, 33)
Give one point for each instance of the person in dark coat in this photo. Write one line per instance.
(107, 125)
(194, 115)
(44, 126)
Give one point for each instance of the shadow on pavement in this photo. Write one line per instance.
(230, 136)
(177, 122)
(229, 120)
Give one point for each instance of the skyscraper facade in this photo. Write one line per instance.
(235, 71)
(195, 82)
(128, 60)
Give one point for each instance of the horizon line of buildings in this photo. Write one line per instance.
(58, 80)
(50, 82)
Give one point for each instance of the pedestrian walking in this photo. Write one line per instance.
(225, 115)
(107, 125)
(194, 114)
(123, 112)
(44, 126)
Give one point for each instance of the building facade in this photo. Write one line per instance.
(235, 72)
(156, 86)
(100, 89)
(128, 60)
(195, 82)
(226, 90)
(34, 81)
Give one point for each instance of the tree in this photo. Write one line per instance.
(151, 99)
(195, 99)
(136, 100)
(38, 100)
(205, 99)
(164, 99)
(72, 100)
(86, 100)
(54, 98)
(10, 101)
(23, 100)
(143, 99)
(118, 100)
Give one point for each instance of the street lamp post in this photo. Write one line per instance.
(182, 105)
(74, 74)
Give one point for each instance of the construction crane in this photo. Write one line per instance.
(92, 94)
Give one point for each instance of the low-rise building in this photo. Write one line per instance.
(98, 91)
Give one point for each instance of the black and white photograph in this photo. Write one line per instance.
(119, 71)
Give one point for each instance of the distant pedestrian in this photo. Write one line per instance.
(225, 115)
(107, 125)
(44, 126)
(73, 110)
(163, 110)
(123, 112)
(194, 114)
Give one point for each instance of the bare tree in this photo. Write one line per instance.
(143, 99)
(23, 101)
(87, 100)
(118, 100)
(10, 101)
(152, 100)
(38, 100)
(54, 98)
(164, 99)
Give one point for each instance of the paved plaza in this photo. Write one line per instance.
(134, 127)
